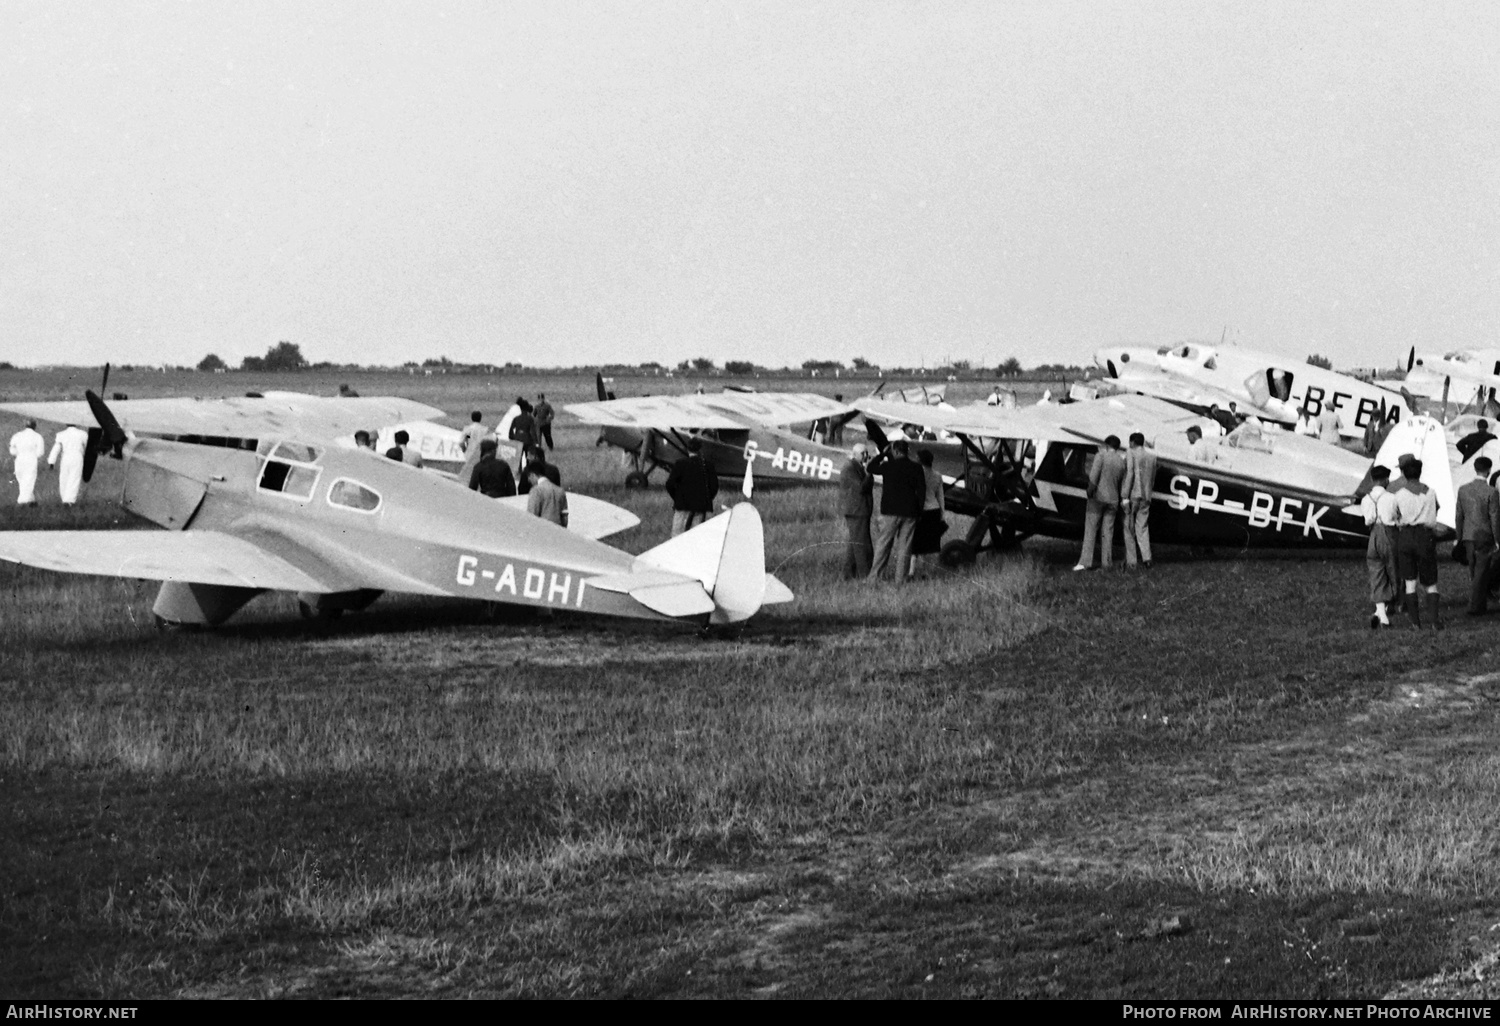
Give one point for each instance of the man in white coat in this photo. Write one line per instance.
(70, 443)
(26, 448)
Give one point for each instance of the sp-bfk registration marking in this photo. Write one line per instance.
(534, 583)
(1264, 509)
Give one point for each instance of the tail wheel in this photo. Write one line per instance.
(956, 553)
(636, 479)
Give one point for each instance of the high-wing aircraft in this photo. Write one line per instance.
(1197, 376)
(341, 526)
(739, 429)
(736, 428)
(1027, 474)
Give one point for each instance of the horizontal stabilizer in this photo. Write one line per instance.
(590, 517)
(776, 592)
(666, 593)
(728, 555)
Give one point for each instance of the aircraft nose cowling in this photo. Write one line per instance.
(1109, 360)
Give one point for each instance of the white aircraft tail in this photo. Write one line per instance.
(727, 555)
(1423, 437)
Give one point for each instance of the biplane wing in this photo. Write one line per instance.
(720, 411)
(280, 414)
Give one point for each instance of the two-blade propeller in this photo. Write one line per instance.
(108, 436)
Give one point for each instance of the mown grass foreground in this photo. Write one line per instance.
(1206, 780)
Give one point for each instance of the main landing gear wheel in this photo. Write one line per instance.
(321, 615)
(636, 479)
(956, 553)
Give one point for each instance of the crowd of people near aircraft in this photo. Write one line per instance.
(1119, 483)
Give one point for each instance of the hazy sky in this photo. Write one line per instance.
(568, 182)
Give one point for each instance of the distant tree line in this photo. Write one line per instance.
(287, 357)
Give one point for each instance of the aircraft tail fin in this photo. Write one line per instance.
(1423, 437)
(727, 555)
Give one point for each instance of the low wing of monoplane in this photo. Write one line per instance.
(1192, 395)
(340, 526)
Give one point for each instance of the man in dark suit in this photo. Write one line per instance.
(1106, 478)
(902, 486)
(857, 503)
(491, 476)
(1475, 440)
(1477, 523)
(692, 484)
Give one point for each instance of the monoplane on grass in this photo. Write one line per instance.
(740, 429)
(736, 428)
(341, 526)
(1270, 387)
(1027, 474)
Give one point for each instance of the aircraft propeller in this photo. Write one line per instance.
(101, 437)
(108, 436)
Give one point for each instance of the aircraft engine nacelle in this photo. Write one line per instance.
(165, 482)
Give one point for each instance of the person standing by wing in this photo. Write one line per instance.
(1416, 547)
(1106, 475)
(692, 484)
(26, 448)
(901, 488)
(545, 499)
(857, 504)
(1379, 510)
(1140, 479)
(491, 476)
(1477, 523)
(1200, 450)
(70, 444)
(1475, 440)
(544, 417)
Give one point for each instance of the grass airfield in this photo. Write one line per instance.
(1209, 780)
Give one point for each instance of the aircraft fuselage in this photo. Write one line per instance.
(1263, 380)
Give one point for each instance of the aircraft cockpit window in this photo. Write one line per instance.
(292, 481)
(296, 452)
(1210, 364)
(1279, 383)
(353, 495)
(1164, 351)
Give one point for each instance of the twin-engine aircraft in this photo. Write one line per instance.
(1476, 372)
(1198, 376)
(340, 526)
(1027, 474)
